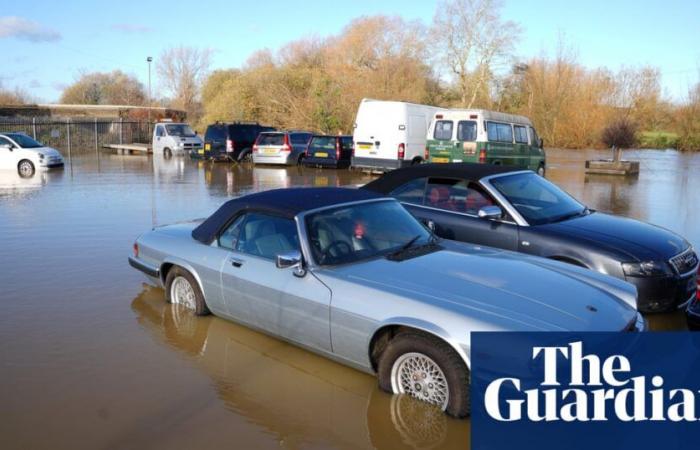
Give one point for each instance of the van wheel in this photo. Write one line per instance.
(181, 288)
(541, 170)
(428, 369)
(25, 168)
(417, 160)
(167, 153)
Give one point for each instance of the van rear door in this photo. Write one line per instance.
(377, 129)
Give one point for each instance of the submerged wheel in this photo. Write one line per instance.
(25, 168)
(541, 170)
(167, 153)
(181, 288)
(246, 157)
(427, 369)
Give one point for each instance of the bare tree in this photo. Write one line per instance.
(474, 39)
(182, 71)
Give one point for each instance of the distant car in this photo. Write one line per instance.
(329, 151)
(25, 155)
(230, 141)
(519, 210)
(693, 311)
(403, 301)
(171, 138)
(283, 147)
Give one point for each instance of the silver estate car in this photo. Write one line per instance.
(353, 276)
(281, 147)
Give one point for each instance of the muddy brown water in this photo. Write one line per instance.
(90, 357)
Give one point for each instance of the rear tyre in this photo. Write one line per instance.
(417, 160)
(181, 288)
(26, 168)
(300, 161)
(541, 170)
(428, 369)
(167, 153)
(245, 157)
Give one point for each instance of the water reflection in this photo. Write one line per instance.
(13, 185)
(303, 399)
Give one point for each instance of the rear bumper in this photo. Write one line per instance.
(143, 267)
(379, 163)
(284, 159)
(325, 162)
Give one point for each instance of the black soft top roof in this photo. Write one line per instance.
(468, 171)
(280, 202)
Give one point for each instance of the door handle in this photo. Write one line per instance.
(236, 262)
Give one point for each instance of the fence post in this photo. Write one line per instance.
(70, 159)
(34, 127)
(96, 144)
(121, 127)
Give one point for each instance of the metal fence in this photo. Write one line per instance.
(79, 136)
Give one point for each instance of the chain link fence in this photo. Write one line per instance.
(79, 136)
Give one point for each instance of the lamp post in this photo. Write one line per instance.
(149, 60)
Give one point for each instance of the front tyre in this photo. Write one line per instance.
(167, 153)
(541, 170)
(181, 288)
(428, 369)
(26, 168)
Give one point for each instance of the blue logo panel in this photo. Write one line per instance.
(585, 391)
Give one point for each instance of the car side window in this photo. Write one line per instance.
(456, 195)
(411, 192)
(5, 142)
(229, 238)
(267, 236)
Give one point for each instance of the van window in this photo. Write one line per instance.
(534, 138)
(416, 127)
(466, 131)
(443, 130)
(520, 134)
(160, 132)
(499, 132)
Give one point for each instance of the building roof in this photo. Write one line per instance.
(467, 171)
(280, 202)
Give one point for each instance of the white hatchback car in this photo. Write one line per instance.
(25, 155)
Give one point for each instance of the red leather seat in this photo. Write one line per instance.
(439, 197)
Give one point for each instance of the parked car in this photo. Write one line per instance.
(230, 141)
(171, 138)
(518, 210)
(25, 155)
(390, 134)
(282, 147)
(404, 302)
(481, 136)
(329, 151)
(693, 311)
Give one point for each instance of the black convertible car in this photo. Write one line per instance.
(510, 208)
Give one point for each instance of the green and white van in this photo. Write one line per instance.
(481, 136)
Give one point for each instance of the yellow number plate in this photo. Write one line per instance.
(270, 151)
(207, 146)
(321, 155)
(364, 146)
(200, 151)
(440, 160)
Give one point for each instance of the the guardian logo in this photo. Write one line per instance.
(595, 390)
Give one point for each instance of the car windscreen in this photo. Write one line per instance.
(271, 139)
(323, 143)
(536, 199)
(180, 130)
(24, 141)
(362, 231)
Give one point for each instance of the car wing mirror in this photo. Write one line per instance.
(490, 212)
(291, 259)
(6, 146)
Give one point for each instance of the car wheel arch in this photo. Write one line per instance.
(387, 330)
(569, 260)
(168, 264)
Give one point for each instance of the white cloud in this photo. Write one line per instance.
(21, 28)
(131, 28)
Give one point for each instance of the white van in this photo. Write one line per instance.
(175, 139)
(389, 135)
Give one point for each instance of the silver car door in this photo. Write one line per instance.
(272, 299)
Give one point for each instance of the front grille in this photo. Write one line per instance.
(685, 262)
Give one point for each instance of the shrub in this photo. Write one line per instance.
(621, 134)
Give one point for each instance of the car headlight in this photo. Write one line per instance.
(646, 269)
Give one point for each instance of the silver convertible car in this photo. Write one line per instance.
(353, 276)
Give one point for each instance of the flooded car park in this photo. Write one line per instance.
(92, 358)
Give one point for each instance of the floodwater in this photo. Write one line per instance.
(90, 357)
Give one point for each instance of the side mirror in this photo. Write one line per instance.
(6, 146)
(541, 143)
(291, 259)
(490, 212)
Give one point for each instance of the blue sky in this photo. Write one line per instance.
(47, 44)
